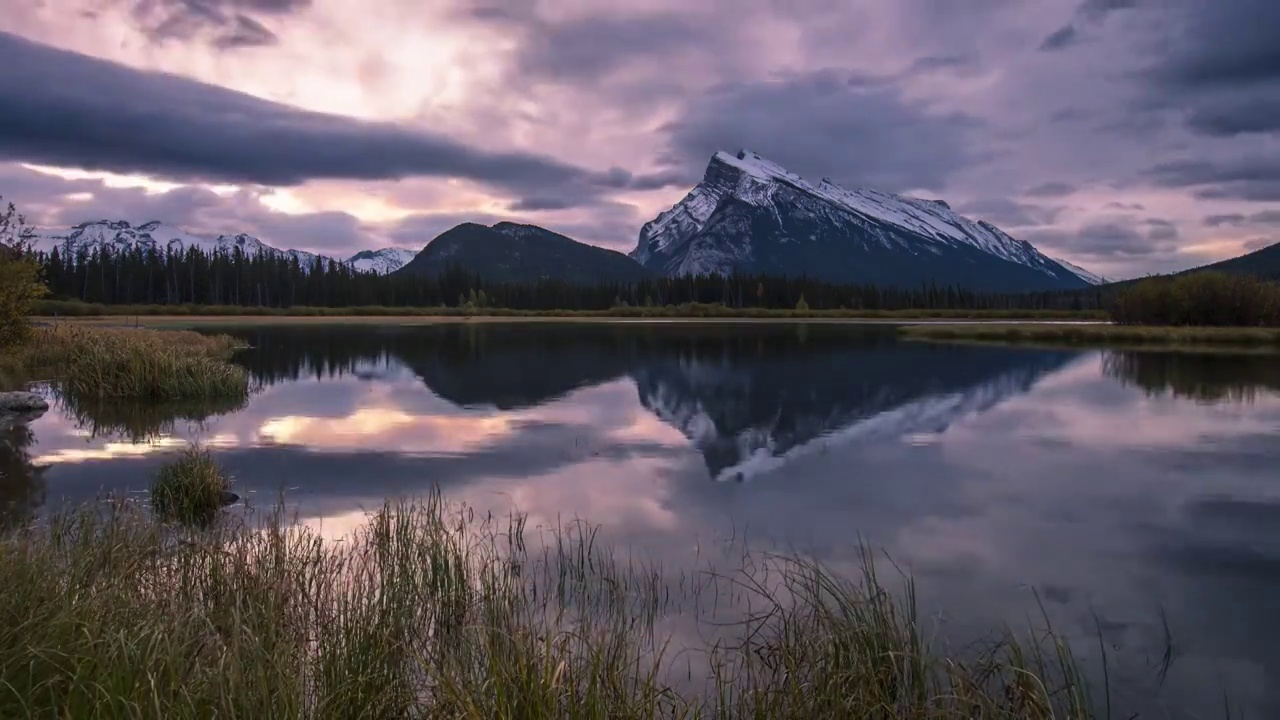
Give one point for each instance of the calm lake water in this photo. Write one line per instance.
(1138, 494)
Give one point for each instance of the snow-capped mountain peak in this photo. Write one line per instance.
(751, 214)
(384, 261)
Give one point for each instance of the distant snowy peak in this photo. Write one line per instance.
(751, 213)
(382, 262)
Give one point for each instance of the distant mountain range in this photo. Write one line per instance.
(509, 252)
(120, 236)
(747, 215)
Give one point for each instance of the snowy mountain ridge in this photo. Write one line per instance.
(382, 262)
(120, 236)
(752, 214)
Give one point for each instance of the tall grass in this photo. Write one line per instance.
(135, 363)
(428, 612)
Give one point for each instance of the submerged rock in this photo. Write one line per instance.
(22, 402)
(229, 498)
(20, 408)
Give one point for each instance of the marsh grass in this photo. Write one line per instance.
(431, 611)
(1097, 334)
(138, 364)
(191, 489)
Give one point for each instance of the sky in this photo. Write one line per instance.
(1128, 136)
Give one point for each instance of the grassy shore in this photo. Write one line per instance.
(133, 364)
(1097, 335)
(51, 308)
(431, 612)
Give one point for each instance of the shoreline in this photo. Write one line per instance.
(1103, 335)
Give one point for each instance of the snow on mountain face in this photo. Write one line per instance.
(382, 262)
(751, 214)
(1091, 278)
(120, 236)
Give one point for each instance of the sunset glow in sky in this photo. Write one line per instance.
(1127, 136)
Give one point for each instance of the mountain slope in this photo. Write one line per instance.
(1089, 277)
(1264, 263)
(749, 214)
(508, 252)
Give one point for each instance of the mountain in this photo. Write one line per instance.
(382, 262)
(749, 214)
(508, 252)
(1264, 263)
(120, 236)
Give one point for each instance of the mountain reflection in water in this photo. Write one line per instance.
(743, 397)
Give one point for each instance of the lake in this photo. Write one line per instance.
(1135, 494)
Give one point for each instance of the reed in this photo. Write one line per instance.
(138, 364)
(434, 612)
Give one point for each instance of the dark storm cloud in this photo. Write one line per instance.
(1237, 116)
(246, 32)
(826, 124)
(1223, 67)
(934, 63)
(1109, 240)
(225, 23)
(1160, 229)
(1253, 177)
(1097, 10)
(64, 109)
(595, 46)
(1266, 217)
(1226, 43)
(1063, 37)
(1113, 205)
(1092, 12)
(1050, 189)
(1004, 212)
(1220, 220)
